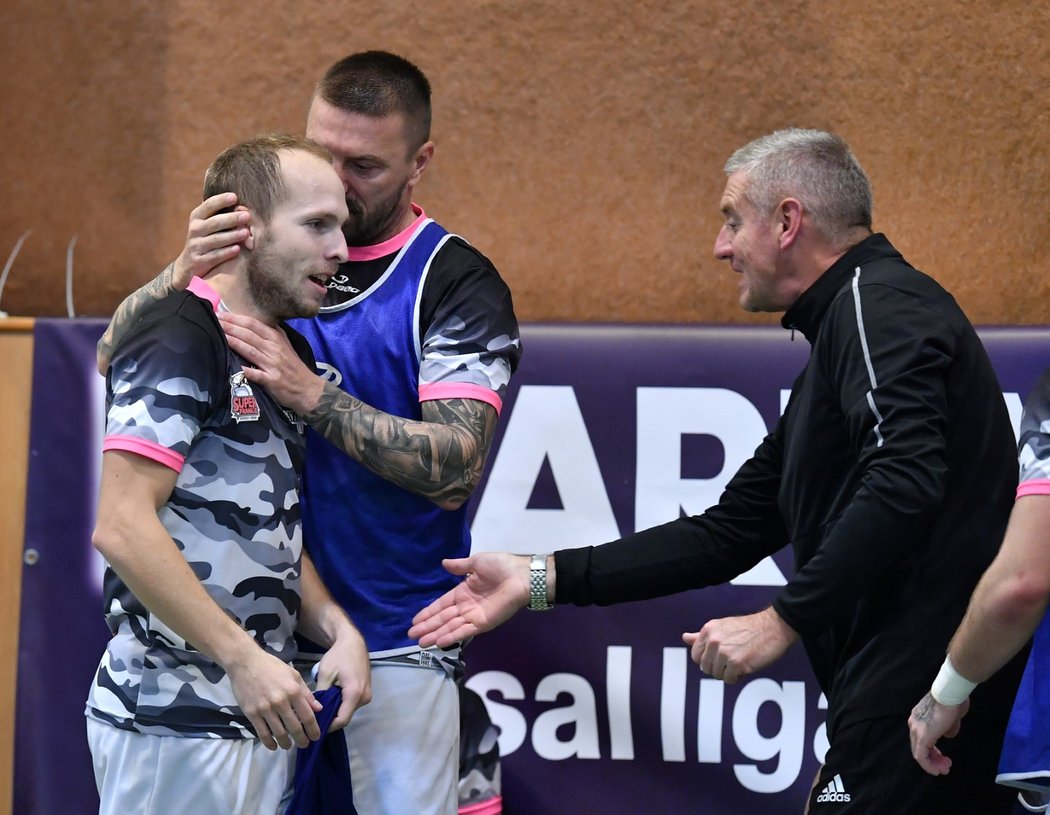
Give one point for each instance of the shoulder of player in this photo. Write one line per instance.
(458, 255)
(458, 264)
(180, 320)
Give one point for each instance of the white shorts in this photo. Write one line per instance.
(404, 744)
(159, 775)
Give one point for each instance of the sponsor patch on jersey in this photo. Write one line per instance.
(244, 407)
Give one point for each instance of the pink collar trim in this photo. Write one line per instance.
(205, 292)
(390, 246)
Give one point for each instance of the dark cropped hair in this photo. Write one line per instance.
(377, 83)
(252, 170)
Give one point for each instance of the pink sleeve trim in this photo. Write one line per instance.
(493, 806)
(1037, 486)
(146, 449)
(460, 390)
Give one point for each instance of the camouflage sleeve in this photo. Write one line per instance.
(129, 312)
(1034, 443)
(470, 341)
(159, 392)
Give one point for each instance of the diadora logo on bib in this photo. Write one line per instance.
(834, 792)
(329, 373)
(340, 283)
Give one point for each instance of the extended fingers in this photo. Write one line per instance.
(450, 635)
(456, 630)
(219, 244)
(439, 611)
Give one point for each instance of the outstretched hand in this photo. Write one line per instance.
(929, 722)
(496, 587)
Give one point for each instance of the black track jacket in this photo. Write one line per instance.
(891, 473)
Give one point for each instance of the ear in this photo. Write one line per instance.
(249, 242)
(789, 222)
(420, 162)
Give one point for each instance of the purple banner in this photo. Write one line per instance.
(61, 630)
(601, 710)
(606, 429)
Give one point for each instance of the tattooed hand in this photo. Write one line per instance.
(440, 456)
(929, 721)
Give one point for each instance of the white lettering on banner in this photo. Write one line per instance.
(820, 738)
(579, 719)
(618, 691)
(672, 704)
(709, 721)
(664, 416)
(786, 746)
(582, 713)
(512, 725)
(1015, 407)
(546, 423)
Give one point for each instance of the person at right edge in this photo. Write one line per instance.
(1008, 607)
(891, 474)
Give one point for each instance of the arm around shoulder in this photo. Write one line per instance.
(213, 237)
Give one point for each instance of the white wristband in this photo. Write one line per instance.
(951, 687)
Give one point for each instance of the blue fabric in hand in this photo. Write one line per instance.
(322, 770)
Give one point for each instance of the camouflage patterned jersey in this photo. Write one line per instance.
(176, 394)
(1034, 445)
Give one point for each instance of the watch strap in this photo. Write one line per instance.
(538, 584)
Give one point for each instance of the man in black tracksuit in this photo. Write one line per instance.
(891, 474)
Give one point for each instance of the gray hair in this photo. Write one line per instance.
(813, 166)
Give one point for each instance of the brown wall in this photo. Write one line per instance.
(580, 144)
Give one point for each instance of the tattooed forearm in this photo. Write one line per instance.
(128, 312)
(440, 457)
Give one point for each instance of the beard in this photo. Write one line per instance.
(368, 226)
(276, 286)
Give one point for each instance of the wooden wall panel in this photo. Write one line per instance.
(580, 144)
(16, 351)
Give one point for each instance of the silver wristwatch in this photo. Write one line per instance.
(538, 584)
